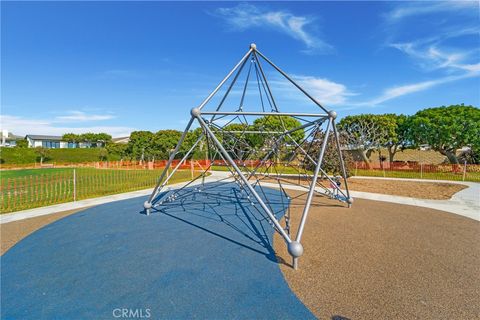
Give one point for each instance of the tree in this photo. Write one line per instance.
(446, 129)
(43, 154)
(140, 144)
(22, 144)
(275, 124)
(164, 141)
(331, 161)
(119, 149)
(102, 154)
(367, 132)
(398, 138)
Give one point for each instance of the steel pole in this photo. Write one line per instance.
(313, 184)
(245, 181)
(172, 156)
(342, 164)
(292, 81)
(224, 80)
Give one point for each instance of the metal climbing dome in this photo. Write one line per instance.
(260, 146)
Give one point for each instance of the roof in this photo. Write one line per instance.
(41, 137)
(121, 140)
(11, 136)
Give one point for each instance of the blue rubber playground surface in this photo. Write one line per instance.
(202, 257)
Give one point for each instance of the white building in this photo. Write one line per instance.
(8, 139)
(53, 142)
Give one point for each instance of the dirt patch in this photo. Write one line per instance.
(412, 189)
(379, 260)
(13, 232)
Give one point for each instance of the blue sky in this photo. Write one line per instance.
(121, 66)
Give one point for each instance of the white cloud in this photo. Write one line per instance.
(23, 126)
(398, 91)
(421, 8)
(80, 116)
(245, 16)
(325, 91)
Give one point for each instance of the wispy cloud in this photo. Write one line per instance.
(22, 126)
(398, 91)
(80, 116)
(245, 16)
(323, 90)
(410, 9)
(435, 51)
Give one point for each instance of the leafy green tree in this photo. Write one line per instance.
(446, 129)
(164, 141)
(367, 132)
(102, 154)
(331, 161)
(120, 149)
(22, 144)
(42, 153)
(72, 138)
(102, 139)
(140, 144)
(399, 137)
(275, 124)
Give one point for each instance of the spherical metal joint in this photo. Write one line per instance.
(332, 114)
(253, 46)
(195, 112)
(147, 205)
(295, 249)
(350, 200)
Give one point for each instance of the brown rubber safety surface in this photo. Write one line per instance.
(379, 260)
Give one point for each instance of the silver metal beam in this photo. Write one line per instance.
(224, 80)
(244, 179)
(342, 164)
(247, 113)
(292, 81)
(314, 182)
(180, 163)
(172, 156)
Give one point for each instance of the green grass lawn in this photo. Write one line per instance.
(30, 188)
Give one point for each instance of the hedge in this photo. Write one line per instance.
(28, 155)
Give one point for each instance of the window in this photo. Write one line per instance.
(51, 144)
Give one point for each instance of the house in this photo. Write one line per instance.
(8, 139)
(121, 140)
(53, 142)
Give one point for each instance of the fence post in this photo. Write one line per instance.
(464, 170)
(421, 170)
(191, 168)
(356, 167)
(74, 185)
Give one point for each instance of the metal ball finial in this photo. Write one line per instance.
(295, 249)
(253, 46)
(195, 112)
(332, 114)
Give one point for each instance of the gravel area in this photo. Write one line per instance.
(379, 260)
(412, 189)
